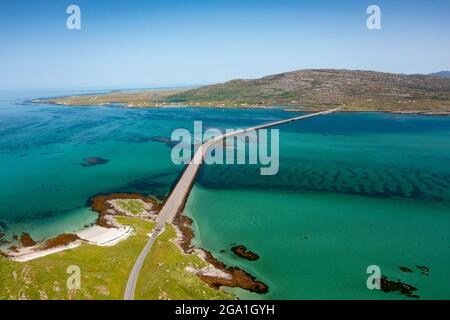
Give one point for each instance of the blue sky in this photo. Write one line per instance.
(139, 43)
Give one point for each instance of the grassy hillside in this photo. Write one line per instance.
(308, 89)
(163, 275)
(444, 74)
(357, 90)
(105, 271)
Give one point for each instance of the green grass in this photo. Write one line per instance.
(356, 90)
(163, 275)
(104, 271)
(133, 206)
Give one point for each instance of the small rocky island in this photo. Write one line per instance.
(399, 287)
(242, 252)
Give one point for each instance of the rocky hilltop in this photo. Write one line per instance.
(444, 74)
(355, 90)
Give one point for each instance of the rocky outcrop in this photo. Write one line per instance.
(26, 240)
(242, 252)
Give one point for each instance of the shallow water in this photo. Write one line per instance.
(352, 190)
(44, 182)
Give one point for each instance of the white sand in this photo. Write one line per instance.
(31, 253)
(94, 235)
(105, 236)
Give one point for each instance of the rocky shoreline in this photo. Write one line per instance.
(289, 107)
(216, 274)
(27, 248)
(237, 278)
(105, 209)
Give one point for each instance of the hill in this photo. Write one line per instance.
(355, 90)
(443, 74)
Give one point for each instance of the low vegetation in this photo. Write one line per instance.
(134, 206)
(104, 271)
(163, 275)
(144, 98)
(309, 90)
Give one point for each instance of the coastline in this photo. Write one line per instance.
(237, 278)
(100, 204)
(108, 232)
(231, 263)
(219, 274)
(218, 105)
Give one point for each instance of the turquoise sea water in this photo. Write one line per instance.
(353, 190)
(44, 187)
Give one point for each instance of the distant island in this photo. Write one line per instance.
(443, 74)
(303, 90)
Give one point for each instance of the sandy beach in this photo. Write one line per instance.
(94, 235)
(101, 236)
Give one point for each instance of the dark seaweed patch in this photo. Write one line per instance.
(165, 140)
(145, 184)
(3, 225)
(398, 286)
(94, 161)
(424, 270)
(304, 176)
